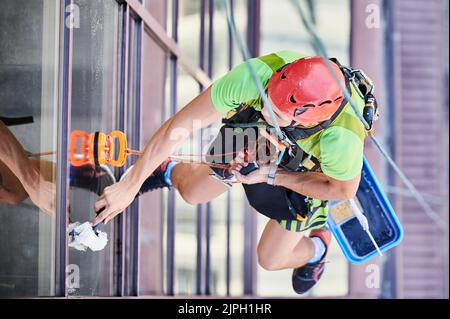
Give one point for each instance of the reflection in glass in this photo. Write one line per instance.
(94, 83)
(29, 44)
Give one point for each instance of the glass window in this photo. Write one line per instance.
(29, 70)
(152, 204)
(94, 108)
(187, 216)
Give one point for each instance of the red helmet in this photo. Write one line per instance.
(306, 91)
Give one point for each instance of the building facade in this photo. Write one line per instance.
(104, 65)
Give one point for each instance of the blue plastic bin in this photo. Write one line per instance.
(383, 223)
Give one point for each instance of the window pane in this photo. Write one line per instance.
(29, 53)
(94, 108)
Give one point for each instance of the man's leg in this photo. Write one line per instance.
(194, 183)
(279, 248)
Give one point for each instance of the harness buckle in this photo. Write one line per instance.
(301, 218)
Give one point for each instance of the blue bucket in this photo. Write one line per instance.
(383, 223)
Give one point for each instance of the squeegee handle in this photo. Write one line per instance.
(94, 228)
(358, 213)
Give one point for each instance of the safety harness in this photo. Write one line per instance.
(246, 117)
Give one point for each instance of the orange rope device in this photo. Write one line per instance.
(99, 148)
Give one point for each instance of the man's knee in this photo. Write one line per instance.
(190, 196)
(269, 260)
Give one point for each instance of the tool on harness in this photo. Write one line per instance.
(367, 88)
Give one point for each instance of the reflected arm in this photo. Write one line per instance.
(13, 156)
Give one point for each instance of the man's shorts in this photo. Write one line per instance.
(317, 219)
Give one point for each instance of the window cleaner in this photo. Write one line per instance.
(355, 80)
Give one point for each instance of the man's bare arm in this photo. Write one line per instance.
(317, 185)
(12, 154)
(14, 157)
(312, 184)
(161, 145)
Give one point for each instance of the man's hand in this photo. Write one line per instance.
(160, 146)
(114, 200)
(238, 162)
(258, 176)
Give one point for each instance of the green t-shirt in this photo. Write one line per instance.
(338, 148)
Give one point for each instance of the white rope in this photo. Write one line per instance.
(430, 198)
(246, 56)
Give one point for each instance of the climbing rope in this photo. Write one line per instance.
(246, 56)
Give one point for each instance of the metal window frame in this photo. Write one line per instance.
(168, 43)
(133, 128)
(62, 162)
(127, 239)
(228, 200)
(250, 218)
(171, 221)
(177, 57)
(199, 208)
(126, 257)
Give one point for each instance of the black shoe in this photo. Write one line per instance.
(305, 277)
(92, 178)
(154, 181)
